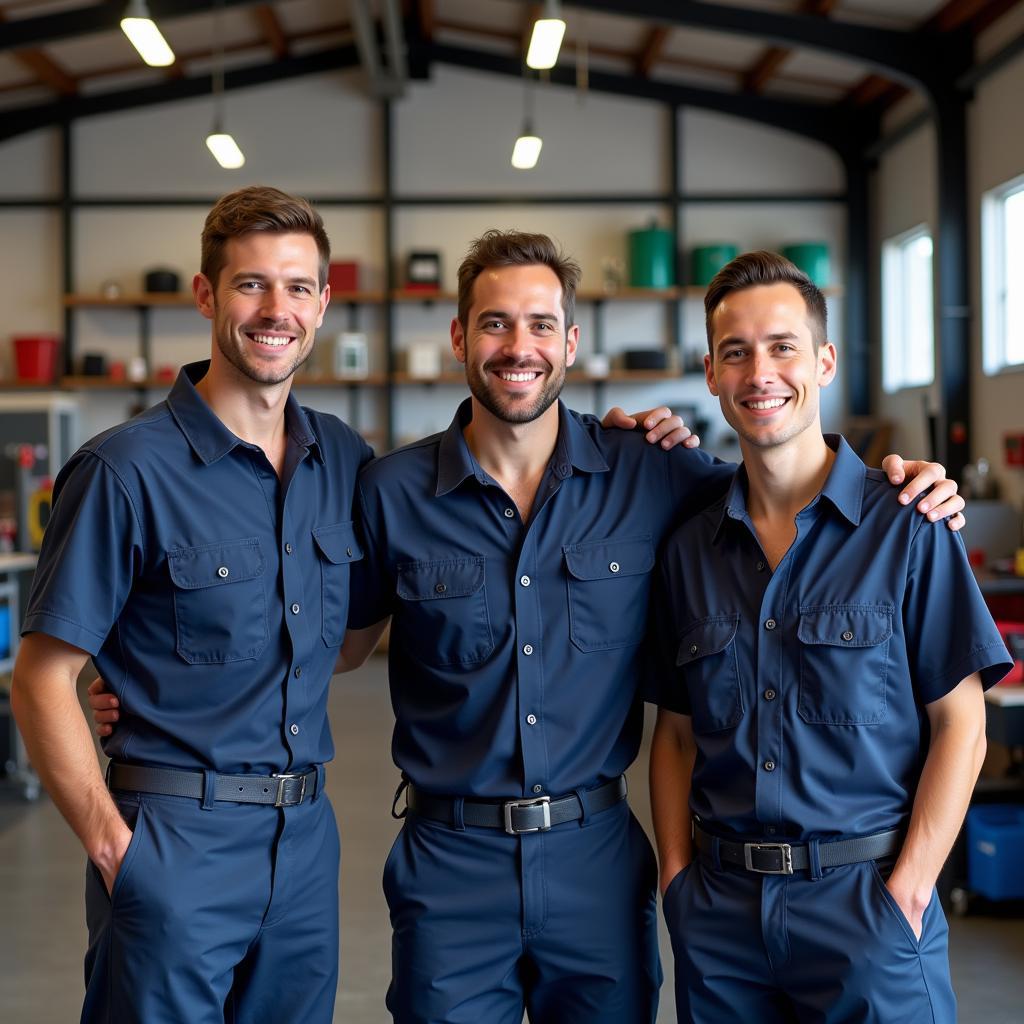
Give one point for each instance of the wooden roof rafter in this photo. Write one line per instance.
(757, 76)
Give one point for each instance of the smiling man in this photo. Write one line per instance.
(514, 553)
(200, 554)
(821, 722)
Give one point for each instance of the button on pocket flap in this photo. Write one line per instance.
(212, 565)
(609, 559)
(450, 577)
(845, 625)
(338, 543)
(706, 636)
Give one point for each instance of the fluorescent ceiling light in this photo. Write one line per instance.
(141, 30)
(547, 38)
(225, 150)
(526, 151)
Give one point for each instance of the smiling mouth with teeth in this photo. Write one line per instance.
(269, 339)
(518, 376)
(765, 404)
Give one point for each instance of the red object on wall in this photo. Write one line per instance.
(1016, 630)
(1013, 445)
(35, 357)
(343, 276)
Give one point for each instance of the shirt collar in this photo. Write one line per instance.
(844, 486)
(574, 449)
(207, 435)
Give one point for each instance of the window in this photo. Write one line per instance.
(1002, 264)
(908, 326)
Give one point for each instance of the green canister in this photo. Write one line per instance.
(812, 259)
(708, 260)
(652, 262)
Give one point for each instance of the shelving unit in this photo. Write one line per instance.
(386, 386)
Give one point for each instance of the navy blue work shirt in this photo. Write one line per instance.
(516, 648)
(212, 594)
(807, 685)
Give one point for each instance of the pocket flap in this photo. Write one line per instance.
(213, 565)
(845, 625)
(449, 577)
(338, 544)
(706, 636)
(610, 559)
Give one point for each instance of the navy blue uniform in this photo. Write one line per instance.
(515, 672)
(807, 688)
(213, 597)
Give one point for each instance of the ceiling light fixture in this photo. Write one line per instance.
(219, 142)
(143, 34)
(527, 148)
(547, 37)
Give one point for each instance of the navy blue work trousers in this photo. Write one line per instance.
(561, 924)
(227, 914)
(788, 949)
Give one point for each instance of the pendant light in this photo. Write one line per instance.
(526, 151)
(220, 142)
(143, 34)
(546, 39)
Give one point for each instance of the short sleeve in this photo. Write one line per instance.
(91, 553)
(372, 588)
(949, 629)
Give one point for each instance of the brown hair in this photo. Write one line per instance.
(259, 208)
(763, 267)
(496, 248)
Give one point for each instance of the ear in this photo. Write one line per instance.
(325, 298)
(458, 340)
(826, 364)
(572, 341)
(202, 293)
(709, 375)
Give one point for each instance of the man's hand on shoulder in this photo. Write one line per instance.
(661, 426)
(941, 502)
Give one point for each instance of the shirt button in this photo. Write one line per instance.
(760, 566)
(848, 636)
(614, 566)
(293, 729)
(769, 695)
(770, 624)
(288, 549)
(440, 588)
(531, 719)
(509, 513)
(525, 580)
(769, 766)
(694, 648)
(538, 788)
(348, 551)
(295, 609)
(298, 671)
(527, 648)
(222, 572)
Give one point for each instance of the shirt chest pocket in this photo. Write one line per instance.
(338, 549)
(708, 662)
(220, 609)
(443, 605)
(608, 584)
(844, 659)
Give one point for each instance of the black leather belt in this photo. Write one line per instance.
(532, 814)
(772, 858)
(284, 790)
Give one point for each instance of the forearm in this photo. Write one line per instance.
(62, 753)
(944, 792)
(358, 646)
(671, 771)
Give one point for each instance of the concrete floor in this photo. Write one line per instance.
(42, 934)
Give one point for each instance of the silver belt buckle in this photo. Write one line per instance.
(282, 778)
(785, 850)
(540, 801)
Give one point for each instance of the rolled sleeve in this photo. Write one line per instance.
(949, 629)
(90, 555)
